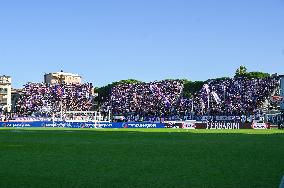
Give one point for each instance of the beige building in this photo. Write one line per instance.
(60, 77)
(5, 93)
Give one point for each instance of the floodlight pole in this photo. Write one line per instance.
(95, 119)
(208, 101)
(191, 105)
(224, 94)
(100, 116)
(61, 109)
(109, 115)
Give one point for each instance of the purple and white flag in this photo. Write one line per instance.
(216, 97)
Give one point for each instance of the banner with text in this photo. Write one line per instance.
(81, 124)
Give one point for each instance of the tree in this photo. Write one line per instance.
(257, 75)
(242, 70)
(104, 92)
(221, 78)
(190, 88)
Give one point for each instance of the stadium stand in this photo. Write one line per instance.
(154, 101)
(145, 99)
(228, 97)
(40, 98)
(235, 96)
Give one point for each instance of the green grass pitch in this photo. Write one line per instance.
(47, 157)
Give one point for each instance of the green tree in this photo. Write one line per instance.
(190, 88)
(257, 75)
(104, 92)
(221, 78)
(242, 70)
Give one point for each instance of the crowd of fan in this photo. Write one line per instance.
(40, 98)
(159, 99)
(229, 97)
(146, 99)
(238, 96)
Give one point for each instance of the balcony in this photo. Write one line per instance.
(3, 103)
(3, 91)
(4, 83)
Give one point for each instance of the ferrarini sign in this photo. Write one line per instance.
(222, 125)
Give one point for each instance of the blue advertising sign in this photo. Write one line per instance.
(81, 124)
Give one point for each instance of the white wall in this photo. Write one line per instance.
(6, 83)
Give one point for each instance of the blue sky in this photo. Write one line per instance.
(109, 40)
